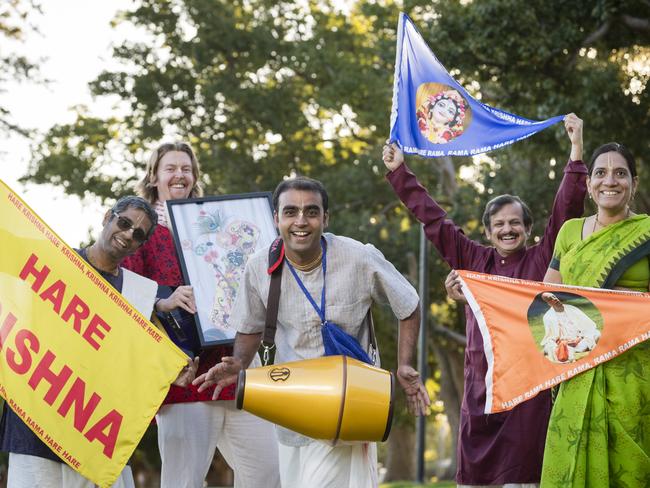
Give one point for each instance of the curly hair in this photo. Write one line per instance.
(146, 187)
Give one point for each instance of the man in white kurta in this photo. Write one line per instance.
(356, 276)
(567, 325)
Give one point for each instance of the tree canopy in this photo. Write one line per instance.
(264, 89)
(14, 67)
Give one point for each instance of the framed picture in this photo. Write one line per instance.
(214, 238)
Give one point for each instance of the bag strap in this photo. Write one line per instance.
(276, 259)
(273, 303)
(319, 310)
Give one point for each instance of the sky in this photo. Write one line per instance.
(74, 41)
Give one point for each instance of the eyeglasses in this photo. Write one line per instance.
(125, 224)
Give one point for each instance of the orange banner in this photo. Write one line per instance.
(536, 335)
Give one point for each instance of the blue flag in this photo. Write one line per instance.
(433, 116)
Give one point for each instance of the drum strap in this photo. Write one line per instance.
(271, 321)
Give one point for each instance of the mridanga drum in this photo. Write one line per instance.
(330, 398)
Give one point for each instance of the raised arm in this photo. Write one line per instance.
(453, 245)
(570, 196)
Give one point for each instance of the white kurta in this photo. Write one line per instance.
(357, 275)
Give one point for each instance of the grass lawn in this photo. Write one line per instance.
(411, 484)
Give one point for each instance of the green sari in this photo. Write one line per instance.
(599, 431)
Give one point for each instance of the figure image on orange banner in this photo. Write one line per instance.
(569, 325)
(537, 335)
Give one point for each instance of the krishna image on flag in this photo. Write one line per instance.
(433, 115)
(442, 112)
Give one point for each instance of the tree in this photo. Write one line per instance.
(14, 67)
(264, 88)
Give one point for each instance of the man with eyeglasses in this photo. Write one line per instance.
(126, 227)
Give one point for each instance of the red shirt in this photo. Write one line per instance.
(157, 260)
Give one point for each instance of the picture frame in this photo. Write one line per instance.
(214, 237)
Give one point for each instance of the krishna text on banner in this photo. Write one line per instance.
(78, 363)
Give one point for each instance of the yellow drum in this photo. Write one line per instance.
(330, 398)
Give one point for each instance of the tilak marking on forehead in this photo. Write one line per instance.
(301, 206)
(610, 165)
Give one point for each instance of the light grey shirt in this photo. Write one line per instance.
(357, 275)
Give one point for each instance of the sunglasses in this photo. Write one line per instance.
(125, 224)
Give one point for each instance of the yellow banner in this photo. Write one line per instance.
(78, 363)
(536, 335)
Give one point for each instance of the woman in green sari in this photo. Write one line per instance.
(599, 432)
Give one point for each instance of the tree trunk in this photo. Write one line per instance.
(400, 461)
(450, 361)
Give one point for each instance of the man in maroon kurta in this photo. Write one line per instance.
(505, 447)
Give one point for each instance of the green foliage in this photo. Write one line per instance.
(14, 67)
(538, 59)
(264, 89)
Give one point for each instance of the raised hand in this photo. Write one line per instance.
(573, 125)
(393, 156)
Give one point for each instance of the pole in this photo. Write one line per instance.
(423, 289)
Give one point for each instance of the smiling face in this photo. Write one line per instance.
(301, 220)
(507, 231)
(443, 111)
(610, 183)
(117, 243)
(174, 178)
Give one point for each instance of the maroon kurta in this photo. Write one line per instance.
(503, 447)
(156, 259)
